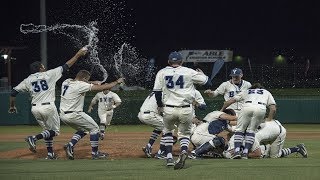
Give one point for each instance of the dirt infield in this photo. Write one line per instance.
(118, 145)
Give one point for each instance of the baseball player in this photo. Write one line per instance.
(253, 152)
(71, 111)
(206, 135)
(256, 101)
(177, 85)
(272, 135)
(107, 101)
(149, 115)
(41, 86)
(231, 88)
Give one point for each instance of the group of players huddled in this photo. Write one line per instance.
(243, 128)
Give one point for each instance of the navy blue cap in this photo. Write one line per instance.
(175, 56)
(236, 72)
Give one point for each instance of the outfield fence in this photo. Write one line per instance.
(301, 110)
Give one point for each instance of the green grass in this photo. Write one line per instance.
(285, 168)
(292, 167)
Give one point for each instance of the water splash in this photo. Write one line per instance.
(90, 35)
(129, 65)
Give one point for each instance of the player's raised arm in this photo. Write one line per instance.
(74, 59)
(227, 104)
(107, 85)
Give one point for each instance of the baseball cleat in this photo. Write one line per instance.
(51, 156)
(160, 155)
(302, 150)
(170, 162)
(147, 151)
(100, 155)
(236, 155)
(244, 156)
(68, 148)
(32, 144)
(181, 161)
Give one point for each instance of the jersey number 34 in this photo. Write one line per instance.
(170, 82)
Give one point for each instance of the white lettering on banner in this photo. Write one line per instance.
(206, 55)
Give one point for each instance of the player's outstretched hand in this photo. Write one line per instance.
(120, 80)
(12, 110)
(209, 92)
(90, 109)
(83, 51)
(199, 70)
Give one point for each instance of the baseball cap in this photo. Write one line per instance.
(236, 72)
(175, 56)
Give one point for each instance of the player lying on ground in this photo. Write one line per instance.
(206, 134)
(253, 152)
(271, 135)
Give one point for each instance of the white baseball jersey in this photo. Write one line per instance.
(105, 101)
(72, 100)
(149, 113)
(72, 95)
(41, 85)
(254, 97)
(201, 134)
(273, 133)
(229, 90)
(149, 104)
(229, 152)
(200, 101)
(253, 109)
(198, 97)
(177, 84)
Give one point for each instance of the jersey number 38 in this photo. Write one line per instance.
(40, 85)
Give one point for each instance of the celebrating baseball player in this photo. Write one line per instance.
(206, 135)
(272, 135)
(71, 111)
(231, 88)
(177, 85)
(107, 101)
(256, 101)
(41, 86)
(149, 115)
(253, 152)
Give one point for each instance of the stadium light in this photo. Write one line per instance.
(280, 60)
(5, 56)
(238, 59)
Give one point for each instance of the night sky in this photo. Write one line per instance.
(255, 29)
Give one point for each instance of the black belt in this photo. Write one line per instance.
(258, 102)
(185, 106)
(67, 112)
(46, 103)
(146, 112)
